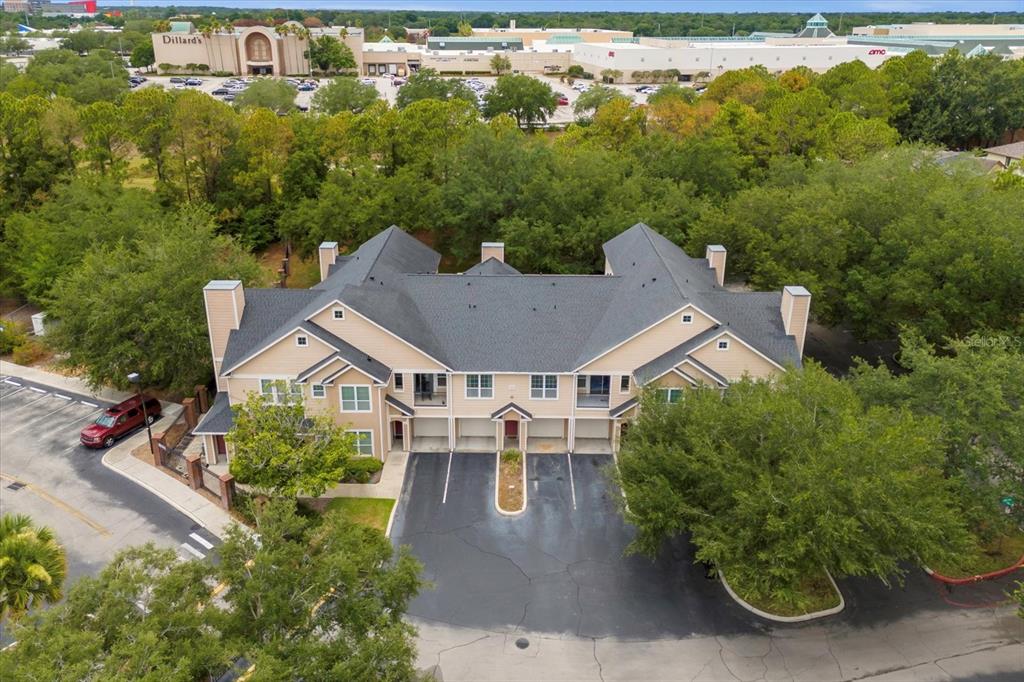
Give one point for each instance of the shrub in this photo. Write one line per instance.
(222, 74)
(511, 456)
(28, 352)
(11, 336)
(575, 70)
(361, 469)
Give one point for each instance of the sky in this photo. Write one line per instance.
(796, 6)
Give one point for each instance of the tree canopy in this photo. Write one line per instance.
(269, 93)
(523, 97)
(344, 94)
(32, 566)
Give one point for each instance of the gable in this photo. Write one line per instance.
(651, 343)
(283, 357)
(362, 333)
(733, 363)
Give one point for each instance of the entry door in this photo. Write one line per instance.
(397, 431)
(511, 429)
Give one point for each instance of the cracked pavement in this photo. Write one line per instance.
(557, 576)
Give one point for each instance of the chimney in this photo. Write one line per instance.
(225, 303)
(328, 255)
(715, 254)
(796, 305)
(495, 250)
(512, 24)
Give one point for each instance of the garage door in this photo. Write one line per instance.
(476, 427)
(425, 428)
(592, 428)
(546, 428)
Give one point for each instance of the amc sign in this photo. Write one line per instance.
(876, 51)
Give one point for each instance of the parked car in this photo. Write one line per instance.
(177, 79)
(563, 101)
(397, 81)
(579, 87)
(120, 420)
(367, 81)
(306, 87)
(220, 91)
(229, 97)
(193, 82)
(302, 107)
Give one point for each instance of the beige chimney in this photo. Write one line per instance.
(715, 254)
(796, 306)
(495, 250)
(225, 303)
(328, 255)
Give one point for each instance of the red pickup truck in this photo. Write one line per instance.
(120, 420)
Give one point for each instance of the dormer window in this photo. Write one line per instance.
(338, 313)
(301, 341)
(687, 318)
(723, 344)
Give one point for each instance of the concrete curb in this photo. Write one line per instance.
(787, 619)
(497, 482)
(1016, 566)
(391, 519)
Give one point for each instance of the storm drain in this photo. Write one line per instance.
(16, 486)
(522, 642)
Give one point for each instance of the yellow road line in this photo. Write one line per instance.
(59, 503)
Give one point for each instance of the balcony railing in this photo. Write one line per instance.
(591, 400)
(434, 399)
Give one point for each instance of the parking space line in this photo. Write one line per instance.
(12, 382)
(192, 550)
(201, 540)
(59, 503)
(85, 402)
(37, 390)
(22, 407)
(572, 482)
(32, 423)
(62, 396)
(10, 393)
(444, 499)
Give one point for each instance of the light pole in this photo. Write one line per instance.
(135, 379)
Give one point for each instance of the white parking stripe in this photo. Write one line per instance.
(62, 397)
(572, 483)
(22, 407)
(193, 550)
(84, 402)
(10, 393)
(12, 382)
(32, 423)
(201, 540)
(37, 390)
(444, 499)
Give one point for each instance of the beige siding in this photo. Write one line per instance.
(510, 388)
(672, 380)
(374, 341)
(221, 307)
(238, 389)
(284, 358)
(660, 338)
(735, 362)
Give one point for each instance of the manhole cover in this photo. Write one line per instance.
(522, 642)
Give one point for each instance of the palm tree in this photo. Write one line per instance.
(32, 566)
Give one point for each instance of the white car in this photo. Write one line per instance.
(367, 81)
(579, 87)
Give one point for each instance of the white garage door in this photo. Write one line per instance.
(592, 428)
(476, 427)
(425, 428)
(546, 428)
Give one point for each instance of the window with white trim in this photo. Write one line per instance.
(301, 341)
(624, 383)
(722, 344)
(399, 383)
(318, 391)
(687, 318)
(279, 391)
(670, 395)
(479, 385)
(338, 313)
(355, 398)
(544, 386)
(364, 443)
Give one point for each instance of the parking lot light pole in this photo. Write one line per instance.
(135, 379)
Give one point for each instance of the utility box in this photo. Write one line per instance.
(38, 324)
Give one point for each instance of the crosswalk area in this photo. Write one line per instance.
(200, 544)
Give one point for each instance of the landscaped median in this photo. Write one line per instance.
(999, 556)
(816, 596)
(510, 488)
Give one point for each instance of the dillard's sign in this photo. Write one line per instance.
(182, 40)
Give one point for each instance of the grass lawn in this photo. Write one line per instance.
(369, 511)
(1000, 553)
(816, 594)
(305, 272)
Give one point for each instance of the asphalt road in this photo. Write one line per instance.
(46, 473)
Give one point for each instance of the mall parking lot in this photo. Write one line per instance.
(46, 473)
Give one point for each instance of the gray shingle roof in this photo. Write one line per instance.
(622, 408)
(510, 406)
(511, 322)
(218, 420)
(1014, 150)
(399, 405)
(669, 359)
(492, 266)
(346, 351)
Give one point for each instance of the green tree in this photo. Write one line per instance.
(672, 91)
(973, 386)
(593, 98)
(271, 93)
(264, 140)
(32, 566)
(105, 136)
(142, 56)
(500, 64)
(282, 452)
(775, 480)
(328, 53)
(344, 94)
(137, 305)
(14, 45)
(29, 164)
(201, 132)
(523, 97)
(308, 598)
(147, 115)
(426, 84)
(465, 29)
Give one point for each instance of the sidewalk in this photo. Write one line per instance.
(119, 458)
(389, 487)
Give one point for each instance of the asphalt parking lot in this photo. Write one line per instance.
(559, 568)
(47, 474)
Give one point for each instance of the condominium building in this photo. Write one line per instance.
(411, 359)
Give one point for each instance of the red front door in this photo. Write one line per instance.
(220, 445)
(511, 429)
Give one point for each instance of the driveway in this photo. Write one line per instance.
(47, 474)
(555, 579)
